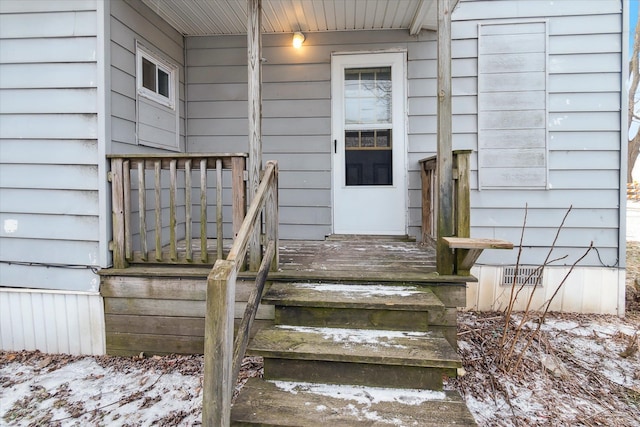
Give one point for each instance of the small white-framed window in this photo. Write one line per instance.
(156, 78)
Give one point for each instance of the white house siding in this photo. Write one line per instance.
(297, 112)
(131, 21)
(584, 149)
(50, 177)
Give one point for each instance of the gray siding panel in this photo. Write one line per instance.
(584, 85)
(133, 21)
(48, 141)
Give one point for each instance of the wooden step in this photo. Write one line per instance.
(356, 356)
(267, 403)
(373, 306)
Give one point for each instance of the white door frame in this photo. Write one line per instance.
(390, 201)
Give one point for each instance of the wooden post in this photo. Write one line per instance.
(126, 186)
(142, 209)
(219, 232)
(204, 254)
(157, 171)
(239, 193)
(444, 256)
(173, 221)
(463, 203)
(254, 56)
(188, 219)
(272, 215)
(117, 201)
(218, 345)
(426, 202)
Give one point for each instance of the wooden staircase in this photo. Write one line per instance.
(356, 354)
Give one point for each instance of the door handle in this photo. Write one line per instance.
(335, 146)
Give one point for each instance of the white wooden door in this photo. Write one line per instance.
(369, 139)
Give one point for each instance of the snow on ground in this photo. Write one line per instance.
(581, 370)
(39, 389)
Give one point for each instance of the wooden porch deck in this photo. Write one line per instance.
(351, 257)
(357, 258)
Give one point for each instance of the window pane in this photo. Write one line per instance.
(367, 93)
(148, 74)
(163, 83)
(368, 167)
(368, 157)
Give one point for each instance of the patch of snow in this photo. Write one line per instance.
(360, 291)
(359, 336)
(400, 248)
(85, 393)
(361, 394)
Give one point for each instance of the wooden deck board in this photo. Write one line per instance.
(352, 258)
(268, 404)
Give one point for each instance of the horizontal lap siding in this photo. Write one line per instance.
(584, 65)
(297, 112)
(131, 21)
(49, 209)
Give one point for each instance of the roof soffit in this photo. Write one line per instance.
(218, 17)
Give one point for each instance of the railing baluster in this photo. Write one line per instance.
(271, 214)
(238, 192)
(204, 254)
(158, 189)
(142, 208)
(126, 181)
(187, 210)
(173, 251)
(117, 201)
(219, 235)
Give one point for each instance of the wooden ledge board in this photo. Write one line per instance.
(473, 243)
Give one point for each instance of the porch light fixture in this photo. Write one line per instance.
(298, 39)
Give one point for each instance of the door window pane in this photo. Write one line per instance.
(368, 157)
(367, 93)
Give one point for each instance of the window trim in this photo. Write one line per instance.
(161, 64)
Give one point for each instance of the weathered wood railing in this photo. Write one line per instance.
(165, 212)
(223, 357)
(461, 205)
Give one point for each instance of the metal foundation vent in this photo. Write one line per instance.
(527, 276)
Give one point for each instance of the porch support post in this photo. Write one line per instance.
(254, 50)
(445, 222)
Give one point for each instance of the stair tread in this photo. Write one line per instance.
(365, 296)
(268, 403)
(423, 349)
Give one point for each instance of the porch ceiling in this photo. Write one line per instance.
(210, 17)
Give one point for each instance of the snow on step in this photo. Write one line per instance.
(391, 297)
(424, 349)
(280, 403)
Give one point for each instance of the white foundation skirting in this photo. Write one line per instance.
(586, 290)
(52, 321)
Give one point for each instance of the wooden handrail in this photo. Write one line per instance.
(222, 357)
(172, 199)
(461, 195)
